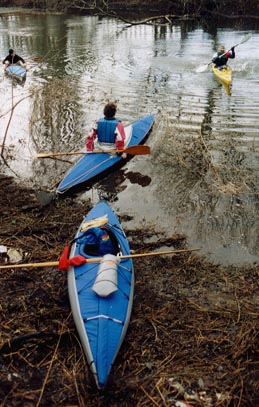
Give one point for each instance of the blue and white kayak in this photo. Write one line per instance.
(16, 71)
(101, 293)
(91, 166)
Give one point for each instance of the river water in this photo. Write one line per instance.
(201, 178)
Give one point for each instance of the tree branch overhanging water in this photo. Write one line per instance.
(183, 9)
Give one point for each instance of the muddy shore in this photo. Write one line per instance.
(193, 335)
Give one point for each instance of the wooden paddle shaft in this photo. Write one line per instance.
(96, 259)
(133, 150)
(157, 253)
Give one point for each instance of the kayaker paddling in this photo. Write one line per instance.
(220, 59)
(221, 54)
(12, 58)
(109, 131)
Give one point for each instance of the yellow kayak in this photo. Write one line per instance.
(224, 75)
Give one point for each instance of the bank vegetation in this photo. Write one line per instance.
(173, 9)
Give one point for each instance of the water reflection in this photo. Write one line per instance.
(202, 175)
(108, 188)
(138, 178)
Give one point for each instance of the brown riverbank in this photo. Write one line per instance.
(193, 335)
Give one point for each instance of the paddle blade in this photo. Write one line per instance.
(37, 59)
(246, 38)
(137, 150)
(202, 68)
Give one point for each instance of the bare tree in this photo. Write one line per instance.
(110, 9)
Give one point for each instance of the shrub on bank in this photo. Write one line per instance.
(199, 8)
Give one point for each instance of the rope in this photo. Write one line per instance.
(105, 317)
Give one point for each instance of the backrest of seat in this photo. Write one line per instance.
(99, 241)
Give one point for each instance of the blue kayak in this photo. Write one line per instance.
(16, 71)
(91, 166)
(101, 293)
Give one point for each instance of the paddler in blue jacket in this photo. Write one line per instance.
(221, 58)
(108, 130)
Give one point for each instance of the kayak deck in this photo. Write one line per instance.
(224, 75)
(16, 71)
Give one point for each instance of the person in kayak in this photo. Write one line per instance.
(12, 58)
(109, 130)
(220, 59)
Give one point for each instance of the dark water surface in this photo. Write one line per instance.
(201, 178)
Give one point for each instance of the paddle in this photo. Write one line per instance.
(96, 259)
(133, 150)
(203, 68)
(36, 59)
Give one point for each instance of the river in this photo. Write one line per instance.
(201, 178)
